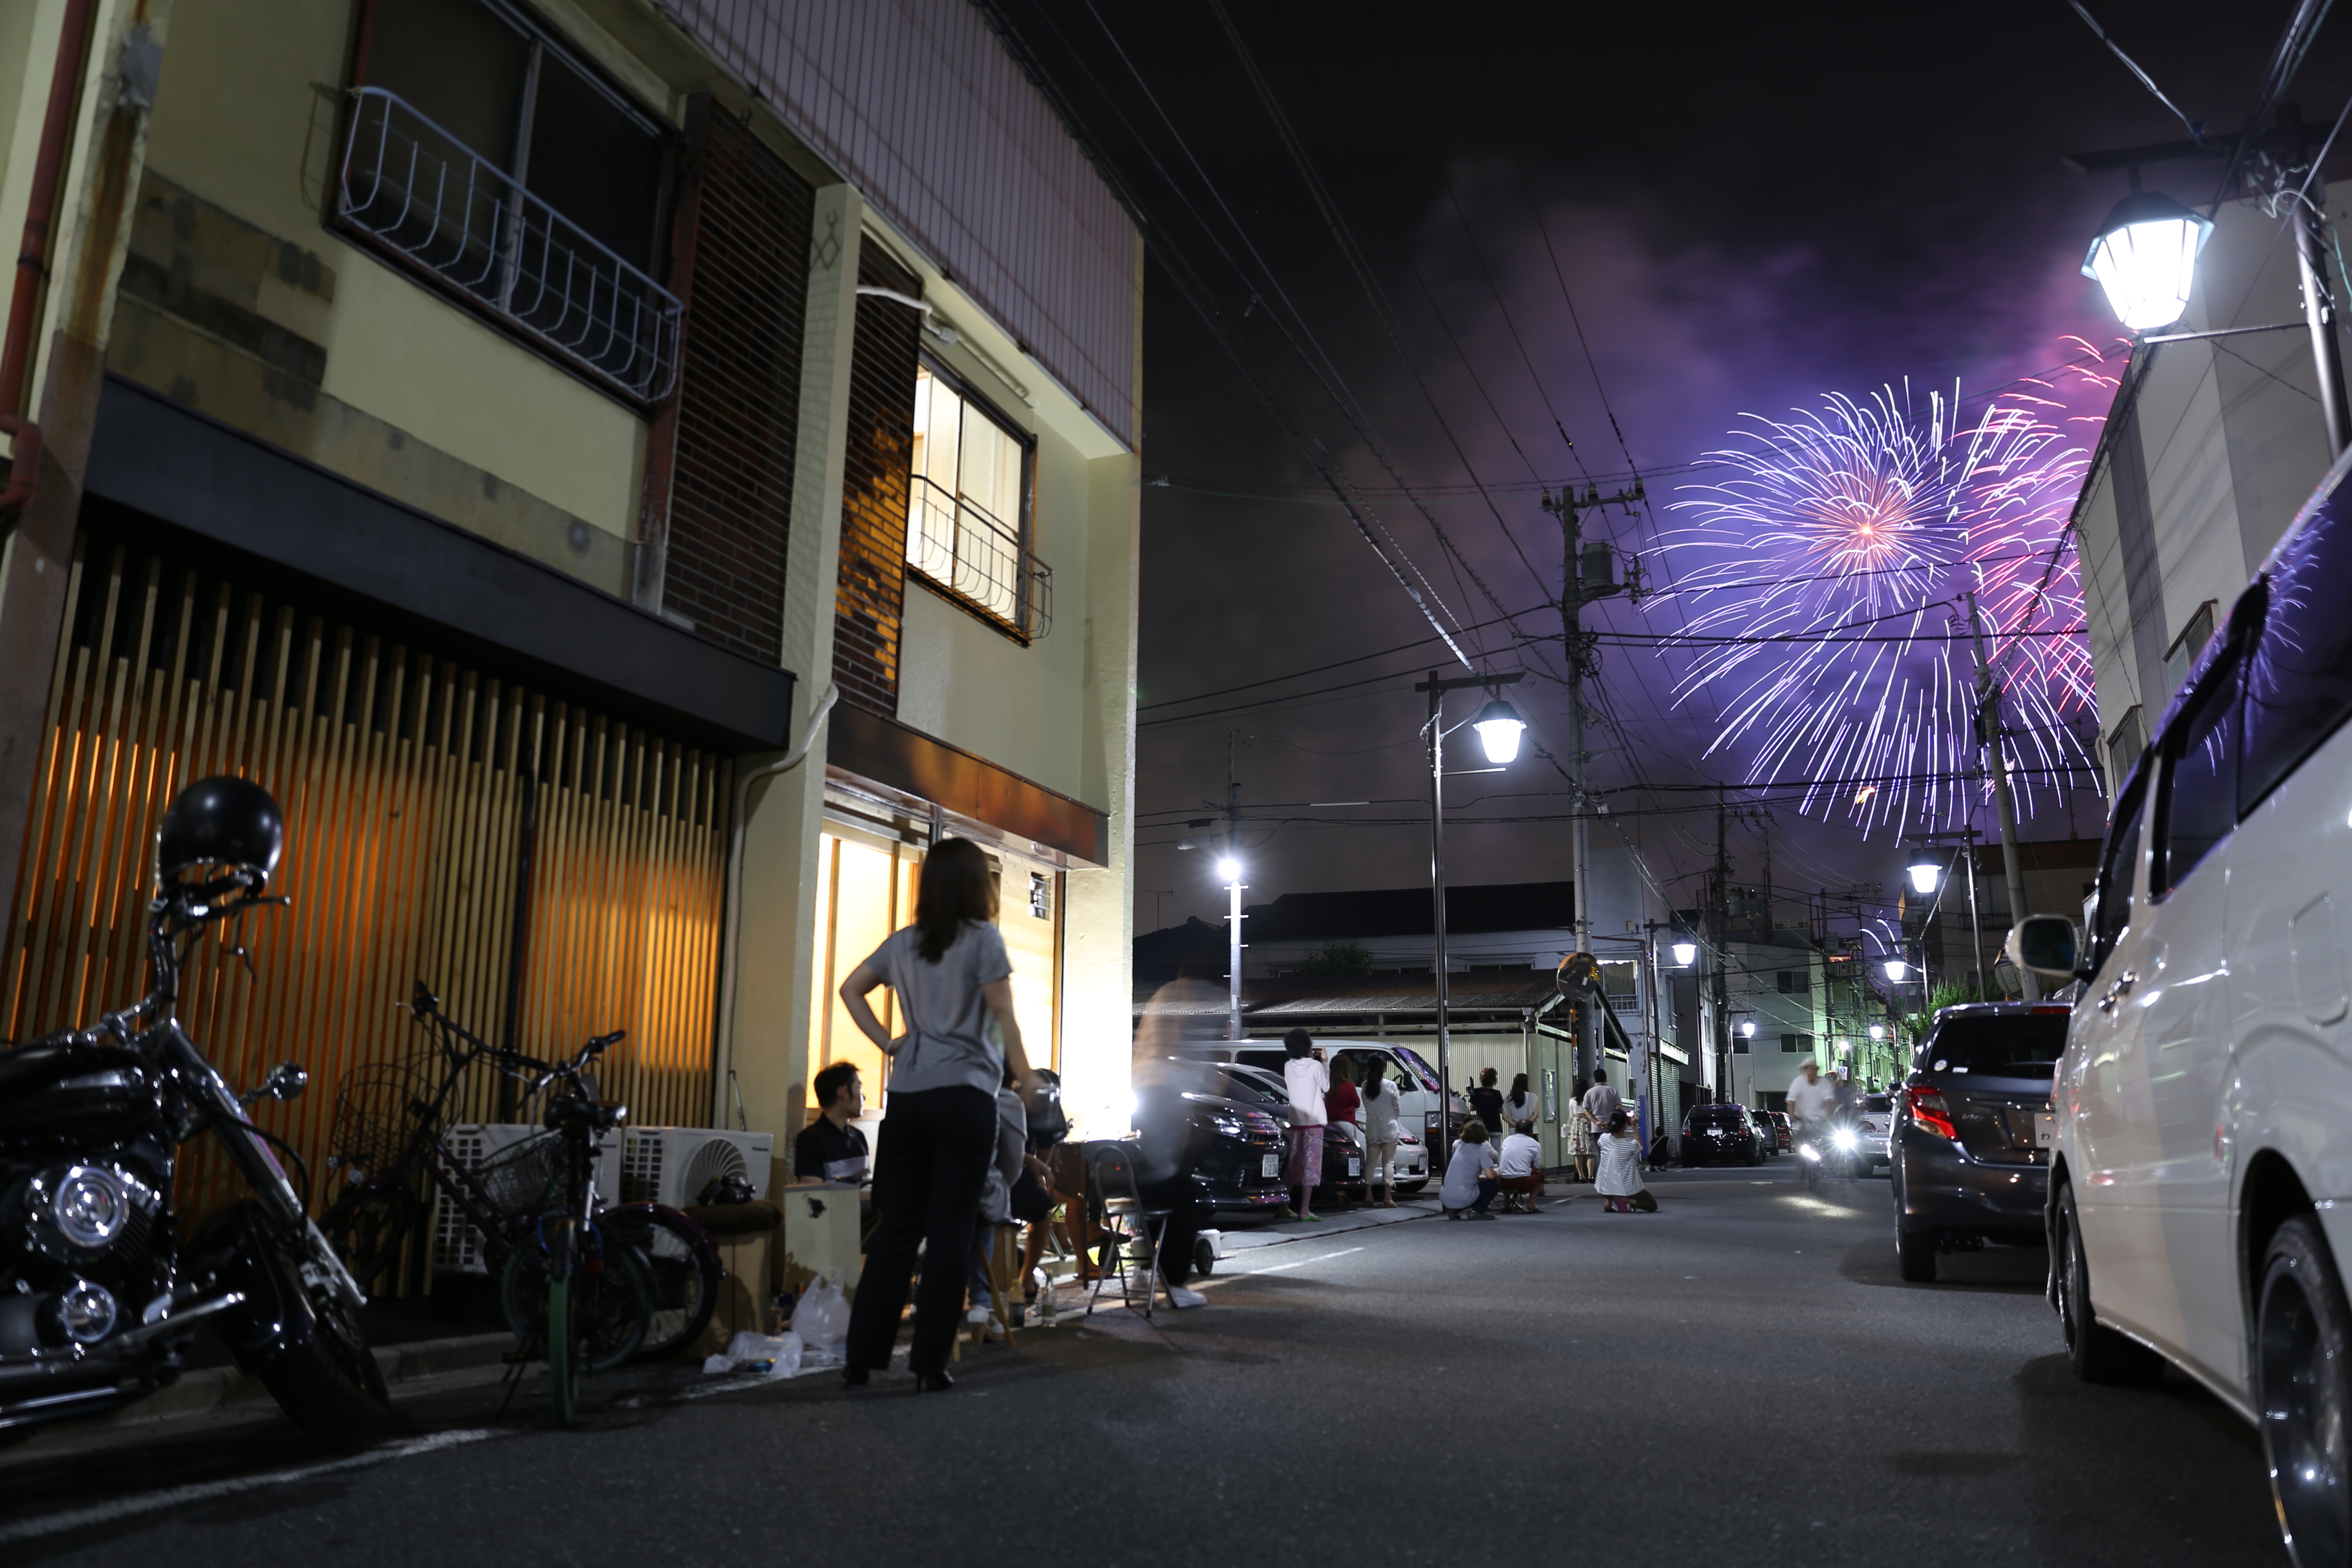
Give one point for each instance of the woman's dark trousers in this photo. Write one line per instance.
(929, 1168)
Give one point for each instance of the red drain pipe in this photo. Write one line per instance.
(32, 257)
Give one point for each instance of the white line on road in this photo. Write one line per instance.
(1278, 1268)
(152, 1502)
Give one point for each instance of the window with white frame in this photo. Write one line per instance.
(968, 513)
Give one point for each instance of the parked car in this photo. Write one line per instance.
(1765, 1133)
(1343, 1141)
(1784, 1136)
(2203, 1116)
(1714, 1133)
(1873, 1127)
(1238, 1142)
(1968, 1165)
(1408, 1069)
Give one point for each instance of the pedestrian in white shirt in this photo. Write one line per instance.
(1520, 1170)
(1308, 1081)
(1619, 1181)
(1382, 1110)
(1812, 1098)
(1470, 1180)
(1599, 1103)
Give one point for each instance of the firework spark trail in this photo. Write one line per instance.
(1889, 511)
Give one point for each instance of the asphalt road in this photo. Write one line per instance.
(1739, 1378)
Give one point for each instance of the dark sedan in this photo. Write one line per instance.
(1971, 1163)
(1237, 1146)
(1713, 1134)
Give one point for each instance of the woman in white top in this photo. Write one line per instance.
(1382, 1111)
(950, 974)
(1470, 1180)
(1620, 1175)
(1519, 1105)
(1308, 1081)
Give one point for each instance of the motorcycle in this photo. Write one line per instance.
(100, 1295)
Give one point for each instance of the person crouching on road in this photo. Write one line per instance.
(1520, 1170)
(1380, 1108)
(1470, 1180)
(1619, 1178)
(1308, 1081)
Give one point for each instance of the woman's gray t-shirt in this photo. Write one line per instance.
(945, 1042)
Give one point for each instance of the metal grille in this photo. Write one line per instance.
(966, 550)
(437, 206)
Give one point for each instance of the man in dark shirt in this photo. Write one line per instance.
(829, 1149)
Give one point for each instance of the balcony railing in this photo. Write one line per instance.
(430, 200)
(979, 559)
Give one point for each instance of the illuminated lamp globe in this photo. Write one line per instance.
(1895, 968)
(1686, 953)
(1748, 1027)
(1499, 725)
(1229, 868)
(1878, 1031)
(1924, 871)
(2145, 256)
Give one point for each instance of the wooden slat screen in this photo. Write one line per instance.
(404, 778)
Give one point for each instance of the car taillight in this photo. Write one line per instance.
(1929, 1109)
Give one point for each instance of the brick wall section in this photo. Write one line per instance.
(876, 480)
(738, 393)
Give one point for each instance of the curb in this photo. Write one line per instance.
(224, 1393)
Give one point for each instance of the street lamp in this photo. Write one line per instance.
(1498, 725)
(1229, 867)
(1924, 871)
(1747, 1028)
(1895, 968)
(2145, 256)
(1878, 1031)
(1686, 953)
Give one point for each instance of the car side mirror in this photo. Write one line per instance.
(2048, 945)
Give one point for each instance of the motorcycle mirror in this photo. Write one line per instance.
(423, 999)
(285, 1080)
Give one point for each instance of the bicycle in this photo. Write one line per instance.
(389, 1123)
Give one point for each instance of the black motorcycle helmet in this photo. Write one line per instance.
(227, 831)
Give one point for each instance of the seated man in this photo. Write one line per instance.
(829, 1149)
(1519, 1166)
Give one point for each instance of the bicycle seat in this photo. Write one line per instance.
(596, 1113)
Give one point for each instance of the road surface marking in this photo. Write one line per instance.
(154, 1502)
(1278, 1268)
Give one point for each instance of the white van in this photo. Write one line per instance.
(2201, 1182)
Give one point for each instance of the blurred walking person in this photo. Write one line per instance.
(1308, 1081)
(950, 975)
(1382, 1109)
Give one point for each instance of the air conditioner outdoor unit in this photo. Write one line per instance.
(456, 1244)
(673, 1165)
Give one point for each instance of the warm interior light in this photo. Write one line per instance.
(1498, 725)
(1686, 953)
(2145, 256)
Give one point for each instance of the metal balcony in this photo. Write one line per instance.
(432, 204)
(959, 546)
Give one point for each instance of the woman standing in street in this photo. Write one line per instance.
(1519, 1105)
(1308, 1081)
(950, 974)
(1583, 1133)
(1382, 1109)
(1345, 1104)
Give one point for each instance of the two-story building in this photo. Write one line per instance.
(628, 477)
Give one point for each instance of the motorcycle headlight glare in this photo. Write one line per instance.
(1845, 1138)
(89, 1206)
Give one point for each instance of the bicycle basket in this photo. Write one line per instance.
(522, 1179)
(378, 1110)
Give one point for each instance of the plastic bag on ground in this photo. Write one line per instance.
(822, 1318)
(778, 1356)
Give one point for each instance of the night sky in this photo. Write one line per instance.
(1748, 207)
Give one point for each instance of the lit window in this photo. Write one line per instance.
(968, 513)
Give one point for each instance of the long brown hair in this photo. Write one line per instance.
(956, 887)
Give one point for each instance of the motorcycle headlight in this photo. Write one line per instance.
(89, 1204)
(1843, 1138)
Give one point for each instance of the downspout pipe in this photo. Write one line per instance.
(33, 260)
(729, 966)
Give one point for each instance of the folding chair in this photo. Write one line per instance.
(1111, 1168)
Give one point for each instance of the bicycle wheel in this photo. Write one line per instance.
(367, 1226)
(611, 1298)
(562, 1364)
(683, 1267)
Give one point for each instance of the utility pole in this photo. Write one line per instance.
(1718, 916)
(1232, 887)
(1587, 573)
(2311, 254)
(1996, 760)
